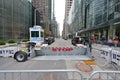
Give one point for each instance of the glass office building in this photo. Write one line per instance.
(77, 16)
(96, 14)
(15, 19)
(96, 18)
(103, 18)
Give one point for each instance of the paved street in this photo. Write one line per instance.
(61, 43)
(10, 63)
(32, 64)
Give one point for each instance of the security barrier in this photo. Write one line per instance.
(40, 75)
(105, 75)
(106, 53)
(111, 55)
(57, 75)
(8, 51)
(115, 57)
(63, 51)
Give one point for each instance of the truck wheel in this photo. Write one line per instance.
(20, 56)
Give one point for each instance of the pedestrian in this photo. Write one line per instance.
(102, 40)
(90, 45)
(110, 41)
(115, 41)
(93, 39)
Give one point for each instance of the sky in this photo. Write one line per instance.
(59, 13)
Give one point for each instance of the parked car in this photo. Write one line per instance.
(85, 40)
(49, 40)
(65, 38)
(53, 39)
(76, 40)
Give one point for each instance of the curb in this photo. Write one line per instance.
(97, 49)
(8, 45)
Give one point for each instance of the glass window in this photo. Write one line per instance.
(111, 16)
(42, 34)
(0, 3)
(117, 8)
(34, 33)
(105, 17)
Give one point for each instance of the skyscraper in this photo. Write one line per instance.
(68, 4)
(15, 19)
(44, 9)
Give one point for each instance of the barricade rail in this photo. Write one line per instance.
(57, 75)
(105, 75)
(40, 75)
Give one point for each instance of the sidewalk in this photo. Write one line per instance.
(8, 45)
(99, 46)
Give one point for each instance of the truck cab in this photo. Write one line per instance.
(35, 43)
(36, 36)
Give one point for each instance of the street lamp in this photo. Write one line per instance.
(35, 16)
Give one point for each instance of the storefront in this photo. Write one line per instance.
(98, 33)
(117, 30)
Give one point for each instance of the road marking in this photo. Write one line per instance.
(89, 62)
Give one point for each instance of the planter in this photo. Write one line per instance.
(12, 44)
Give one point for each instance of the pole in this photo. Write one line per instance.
(35, 17)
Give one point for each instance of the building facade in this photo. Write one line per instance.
(96, 18)
(54, 24)
(15, 19)
(44, 7)
(77, 16)
(68, 4)
(103, 18)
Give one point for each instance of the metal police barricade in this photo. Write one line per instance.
(106, 53)
(40, 75)
(115, 56)
(105, 75)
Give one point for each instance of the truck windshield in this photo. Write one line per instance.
(34, 33)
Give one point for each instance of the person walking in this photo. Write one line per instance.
(90, 45)
(93, 39)
(102, 40)
(116, 41)
(110, 41)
